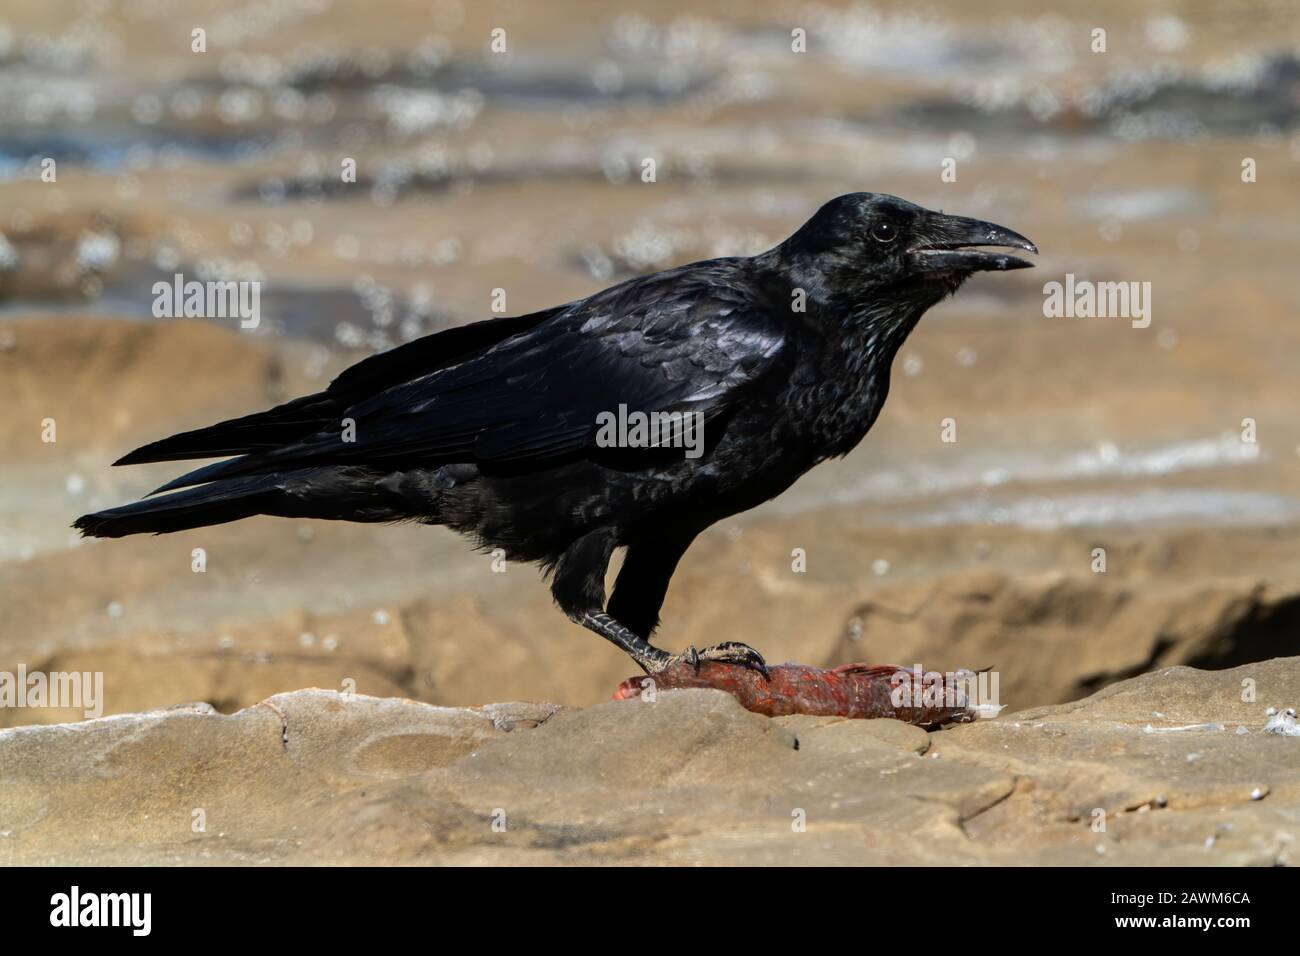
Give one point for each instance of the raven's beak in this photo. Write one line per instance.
(947, 240)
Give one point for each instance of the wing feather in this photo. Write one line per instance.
(686, 340)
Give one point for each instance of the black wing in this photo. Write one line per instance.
(305, 416)
(689, 340)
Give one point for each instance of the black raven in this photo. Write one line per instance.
(499, 429)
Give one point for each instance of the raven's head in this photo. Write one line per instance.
(862, 244)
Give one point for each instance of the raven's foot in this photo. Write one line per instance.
(728, 652)
(653, 660)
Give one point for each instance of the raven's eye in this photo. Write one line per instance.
(884, 232)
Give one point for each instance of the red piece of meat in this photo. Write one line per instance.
(851, 690)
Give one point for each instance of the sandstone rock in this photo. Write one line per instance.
(314, 777)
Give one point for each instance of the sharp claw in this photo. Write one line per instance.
(734, 652)
(759, 664)
(728, 652)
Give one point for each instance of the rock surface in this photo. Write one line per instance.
(1174, 763)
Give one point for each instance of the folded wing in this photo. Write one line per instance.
(684, 341)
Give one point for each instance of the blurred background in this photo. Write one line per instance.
(1169, 455)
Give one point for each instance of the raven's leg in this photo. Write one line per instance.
(639, 594)
(579, 590)
(650, 658)
(633, 611)
(643, 580)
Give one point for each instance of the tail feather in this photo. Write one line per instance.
(198, 476)
(194, 508)
(240, 436)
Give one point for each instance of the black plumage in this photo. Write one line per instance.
(492, 428)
